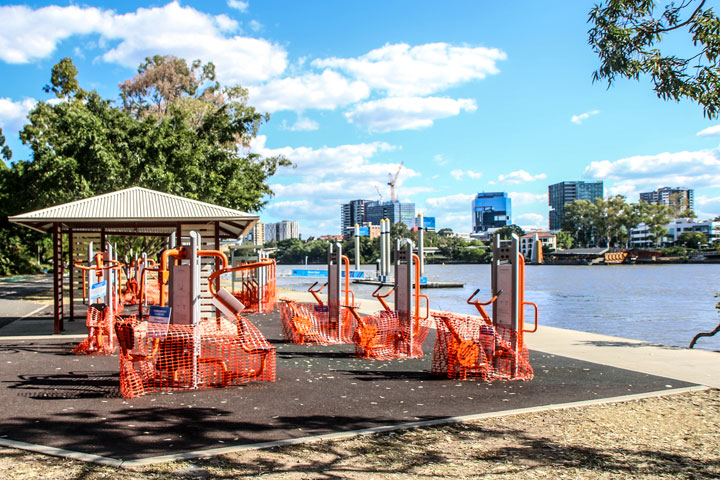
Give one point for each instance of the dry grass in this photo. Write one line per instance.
(674, 436)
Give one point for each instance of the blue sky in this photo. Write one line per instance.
(471, 95)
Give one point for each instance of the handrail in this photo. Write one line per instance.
(237, 268)
(315, 292)
(381, 298)
(480, 305)
(346, 261)
(536, 317)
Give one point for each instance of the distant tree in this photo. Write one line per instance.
(692, 239)
(508, 230)
(563, 240)
(656, 218)
(445, 232)
(627, 36)
(578, 221)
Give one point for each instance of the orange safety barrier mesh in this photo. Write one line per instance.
(309, 324)
(212, 353)
(468, 347)
(385, 336)
(101, 337)
(255, 297)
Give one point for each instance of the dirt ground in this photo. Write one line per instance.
(676, 436)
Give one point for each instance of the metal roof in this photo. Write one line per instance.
(134, 208)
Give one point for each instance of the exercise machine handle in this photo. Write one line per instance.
(535, 307)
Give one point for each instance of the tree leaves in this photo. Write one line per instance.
(626, 35)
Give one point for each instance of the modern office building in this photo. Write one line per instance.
(352, 213)
(640, 236)
(277, 232)
(394, 211)
(679, 198)
(563, 193)
(257, 235)
(491, 210)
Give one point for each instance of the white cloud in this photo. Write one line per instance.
(629, 176)
(302, 124)
(460, 174)
(238, 5)
(440, 159)
(255, 26)
(402, 70)
(531, 221)
(29, 35)
(13, 115)
(713, 131)
(527, 198)
(451, 211)
(579, 119)
(406, 113)
(328, 90)
(520, 176)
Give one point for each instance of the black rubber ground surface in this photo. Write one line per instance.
(51, 397)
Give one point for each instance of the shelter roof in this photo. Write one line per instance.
(137, 210)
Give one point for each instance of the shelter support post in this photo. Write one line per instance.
(57, 280)
(71, 244)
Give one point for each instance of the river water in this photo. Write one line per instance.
(665, 304)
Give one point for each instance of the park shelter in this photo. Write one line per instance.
(134, 211)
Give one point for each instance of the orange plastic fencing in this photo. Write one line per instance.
(257, 298)
(309, 324)
(468, 347)
(385, 336)
(101, 337)
(212, 353)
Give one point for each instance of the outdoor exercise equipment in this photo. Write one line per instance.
(323, 324)
(176, 348)
(103, 274)
(257, 282)
(133, 294)
(398, 332)
(489, 347)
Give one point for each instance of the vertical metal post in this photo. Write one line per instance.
(403, 287)
(57, 280)
(421, 244)
(357, 247)
(388, 246)
(71, 266)
(505, 277)
(195, 272)
(334, 284)
(381, 271)
(109, 277)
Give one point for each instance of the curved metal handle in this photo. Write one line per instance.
(476, 303)
(536, 317)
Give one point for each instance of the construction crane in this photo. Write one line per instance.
(379, 194)
(392, 180)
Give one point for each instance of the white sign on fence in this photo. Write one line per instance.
(158, 321)
(98, 290)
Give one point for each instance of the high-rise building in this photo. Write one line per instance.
(394, 211)
(491, 210)
(257, 234)
(352, 214)
(563, 193)
(679, 198)
(277, 232)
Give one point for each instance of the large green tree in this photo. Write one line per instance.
(181, 133)
(629, 37)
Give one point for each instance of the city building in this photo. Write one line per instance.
(366, 230)
(257, 234)
(352, 213)
(396, 212)
(528, 243)
(679, 198)
(491, 210)
(277, 232)
(563, 193)
(640, 236)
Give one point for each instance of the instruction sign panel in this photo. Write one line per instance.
(158, 321)
(97, 290)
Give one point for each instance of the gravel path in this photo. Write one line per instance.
(675, 436)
